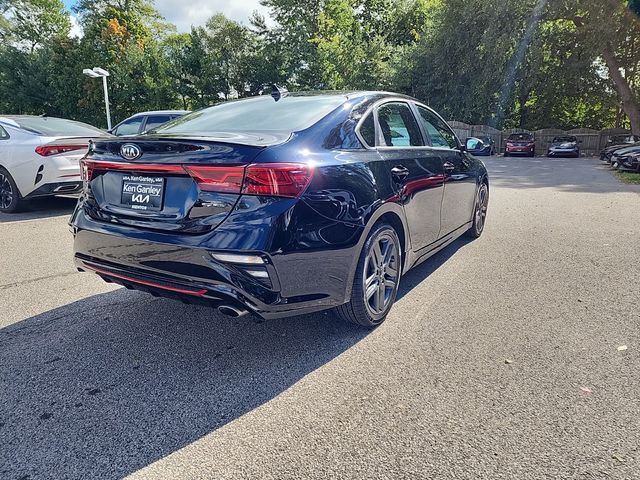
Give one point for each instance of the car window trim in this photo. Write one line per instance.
(377, 103)
(431, 110)
(8, 136)
(379, 130)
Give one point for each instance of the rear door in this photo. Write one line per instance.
(417, 174)
(459, 177)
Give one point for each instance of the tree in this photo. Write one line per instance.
(33, 23)
(612, 34)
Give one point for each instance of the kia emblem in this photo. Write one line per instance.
(129, 151)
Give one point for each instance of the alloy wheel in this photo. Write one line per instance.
(6, 192)
(481, 208)
(381, 274)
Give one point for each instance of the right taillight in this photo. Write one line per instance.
(86, 170)
(217, 179)
(277, 179)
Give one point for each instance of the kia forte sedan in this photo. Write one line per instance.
(280, 204)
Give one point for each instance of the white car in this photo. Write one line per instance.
(40, 156)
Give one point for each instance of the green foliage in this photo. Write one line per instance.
(32, 23)
(457, 55)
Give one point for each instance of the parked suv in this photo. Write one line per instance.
(280, 205)
(520, 144)
(143, 121)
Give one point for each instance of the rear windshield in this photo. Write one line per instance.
(564, 139)
(51, 126)
(289, 114)
(520, 137)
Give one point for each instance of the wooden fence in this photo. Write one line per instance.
(591, 141)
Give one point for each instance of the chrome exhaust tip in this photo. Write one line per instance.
(231, 311)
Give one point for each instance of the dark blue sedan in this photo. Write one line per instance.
(281, 204)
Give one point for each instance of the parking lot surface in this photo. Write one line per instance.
(512, 356)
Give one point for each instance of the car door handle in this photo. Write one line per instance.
(449, 167)
(399, 172)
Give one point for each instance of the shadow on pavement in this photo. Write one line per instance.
(42, 208)
(105, 386)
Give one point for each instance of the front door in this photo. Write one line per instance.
(460, 181)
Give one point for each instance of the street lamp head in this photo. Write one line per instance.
(100, 71)
(90, 73)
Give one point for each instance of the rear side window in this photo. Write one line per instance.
(368, 131)
(154, 121)
(441, 135)
(3, 134)
(398, 126)
(130, 127)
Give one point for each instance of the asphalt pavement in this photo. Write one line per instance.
(515, 356)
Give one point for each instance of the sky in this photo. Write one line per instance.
(184, 13)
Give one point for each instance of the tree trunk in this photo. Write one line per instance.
(630, 103)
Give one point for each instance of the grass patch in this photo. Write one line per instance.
(628, 177)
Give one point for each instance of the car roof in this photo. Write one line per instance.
(161, 112)
(14, 120)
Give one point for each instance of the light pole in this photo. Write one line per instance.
(98, 72)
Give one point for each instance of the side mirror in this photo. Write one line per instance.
(463, 147)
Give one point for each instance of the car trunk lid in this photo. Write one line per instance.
(188, 185)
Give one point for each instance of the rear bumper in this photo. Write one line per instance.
(520, 151)
(299, 282)
(57, 188)
(574, 152)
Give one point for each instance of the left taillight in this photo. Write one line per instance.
(48, 150)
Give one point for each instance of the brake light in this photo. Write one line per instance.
(86, 170)
(217, 179)
(48, 150)
(268, 179)
(277, 179)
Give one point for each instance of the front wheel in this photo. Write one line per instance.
(376, 281)
(10, 200)
(479, 212)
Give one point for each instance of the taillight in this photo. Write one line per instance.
(86, 170)
(277, 179)
(267, 179)
(48, 150)
(217, 179)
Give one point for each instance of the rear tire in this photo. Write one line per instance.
(10, 199)
(479, 212)
(375, 284)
